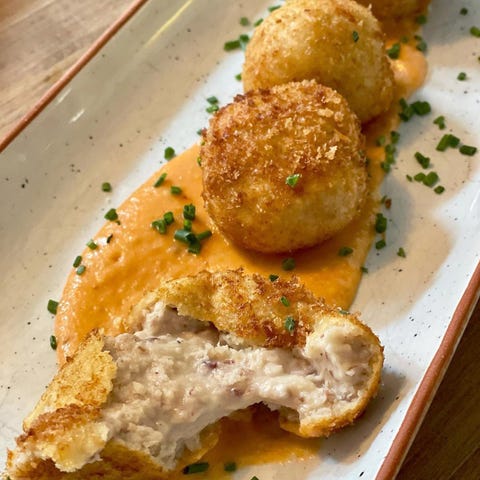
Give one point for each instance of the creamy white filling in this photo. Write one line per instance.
(179, 375)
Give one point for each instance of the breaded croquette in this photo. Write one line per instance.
(339, 43)
(283, 168)
(390, 9)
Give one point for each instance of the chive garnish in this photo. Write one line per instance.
(288, 264)
(111, 215)
(168, 217)
(272, 277)
(385, 166)
(160, 180)
(419, 177)
(189, 212)
(238, 77)
(160, 226)
(292, 180)
(187, 224)
(285, 301)
(243, 39)
(462, 76)
(406, 112)
(468, 150)
(203, 235)
(91, 245)
(345, 251)
(430, 179)
(81, 270)
(212, 100)
(380, 223)
(422, 159)
(52, 306)
(401, 252)
(380, 244)
(448, 140)
(475, 31)
(106, 187)
(230, 466)
(380, 141)
(196, 468)
(421, 108)
(421, 45)
(421, 19)
(53, 342)
(254, 478)
(212, 108)
(184, 236)
(394, 51)
(244, 22)
(258, 22)
(394, 137)
(439, 189)
(109, 238)
(364, 269)
(231, 45)
(409, 178)
(463, 11)
(273, 8)
(355, 36)
(289, 324)
(194, 247)
(77, 261)
(440, 122)
(169, 153)
(175, 190)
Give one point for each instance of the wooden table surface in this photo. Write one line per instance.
(40, 39)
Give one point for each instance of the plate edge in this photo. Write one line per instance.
(55, 89)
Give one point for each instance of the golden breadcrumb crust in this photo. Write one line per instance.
(339, 43)
(65, 424)
(389, 9)
(256, 143)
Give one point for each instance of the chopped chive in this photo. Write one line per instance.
(111, 215)
(421, 19)
(364, 269)
(380, 141)
(244, 22)
(169, 153)
(401, 252)
(422, 160)
(394, 51)
(409, 178)
(394, 137)
(440, 122)
(468, 150)
(168, 217)
(345, 251)
(448, 140)
(212, 100)
(421, 108)
(406, 110)
(81, 270)
(106, 187)
(230, 466)
(285, 301)
(53, 342)
(421, 45)
(380, 223)
(462, 76)
(288, 264)
(194, 247)
(52, 306)
(475, 31)
(212, 109)
(273, 8)
(272, 277)
(91, 245)
(160, 180)
(289, 324)
(355, 36)
(189, 211)
(385, 166)
(200, 131)
(463, 11)
(254, 478)
(380, 244)
(160, 226)
(231, 45)
(203, 235)
(77, 261)
(390, 148)
(199, 161)
(196, 468)
(238, 77)
(175, 190)
(109, 238)
(419, 177)
(258, 22)
(430, 179)
(184, 236)
(243, 39)
(439, 189)
(187, 224)
(292, 180)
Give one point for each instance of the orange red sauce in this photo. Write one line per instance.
(137, 258)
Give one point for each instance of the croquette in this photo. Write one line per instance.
(283, 168)
(339, 43)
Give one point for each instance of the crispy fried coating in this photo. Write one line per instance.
(283, 168)
(339, 43)
(389, 9)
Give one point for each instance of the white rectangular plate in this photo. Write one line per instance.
(147, 89)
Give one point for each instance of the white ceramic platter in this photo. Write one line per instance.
(147, 89)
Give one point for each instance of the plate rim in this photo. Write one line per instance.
(437, 368)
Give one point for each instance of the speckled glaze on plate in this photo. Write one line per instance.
(147, 89)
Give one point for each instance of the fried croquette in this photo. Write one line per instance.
(339, 43)
(134, 406)
(390, 9)
(283, 168)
